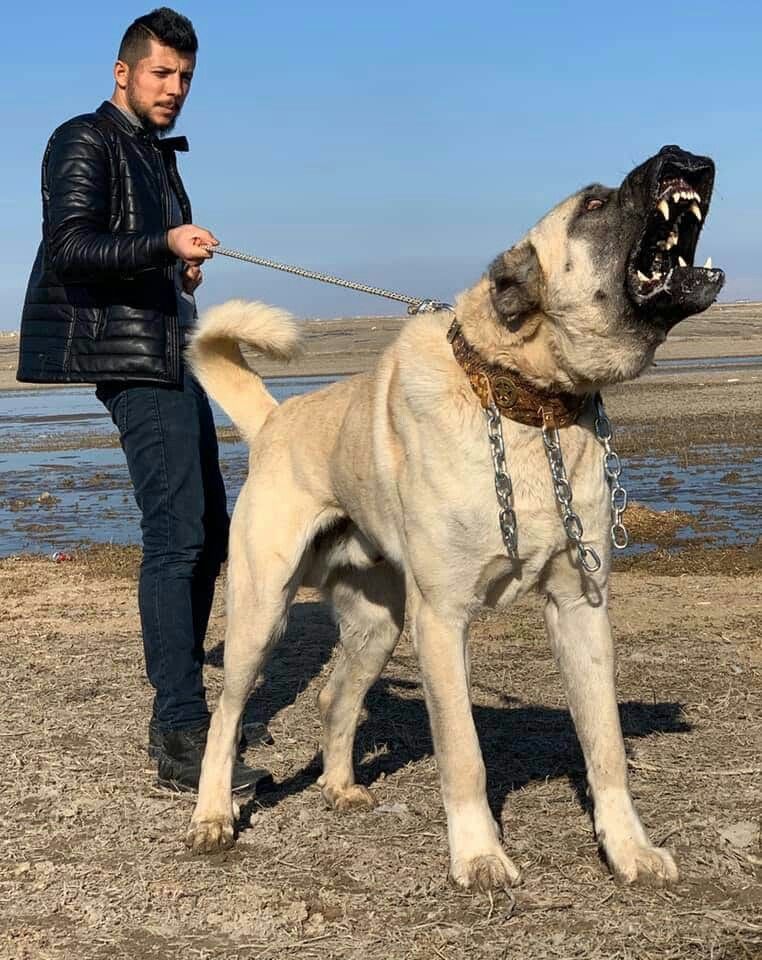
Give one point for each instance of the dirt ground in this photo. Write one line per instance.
(92, 863)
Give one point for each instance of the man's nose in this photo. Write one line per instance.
(175, 85)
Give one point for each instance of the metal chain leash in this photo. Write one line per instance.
(415, 304)
(562, 489)
(503, 485)
(612, 467)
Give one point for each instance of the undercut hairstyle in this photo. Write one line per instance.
(164, 25)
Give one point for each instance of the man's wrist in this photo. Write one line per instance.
(163, 249)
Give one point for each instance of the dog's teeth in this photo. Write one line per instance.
(682, 262)
(642, 277)
(671, 241)
(708, 264)
(676, 196)
(696, 210)
(664, 209)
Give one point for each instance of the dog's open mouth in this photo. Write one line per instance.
(661, 275)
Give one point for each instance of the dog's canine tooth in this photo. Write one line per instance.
(696, 211)
(682, 262)
(664, 209)
(708, 264)
(643, 277)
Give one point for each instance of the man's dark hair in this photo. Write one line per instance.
(164, 25)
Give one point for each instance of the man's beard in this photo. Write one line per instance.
(145, 120)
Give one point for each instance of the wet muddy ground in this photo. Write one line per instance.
(689, 433)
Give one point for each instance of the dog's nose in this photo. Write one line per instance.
(683, 160)
(671, 148)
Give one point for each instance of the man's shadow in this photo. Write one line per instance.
(521, 742)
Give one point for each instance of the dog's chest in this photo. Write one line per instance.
(476, 542)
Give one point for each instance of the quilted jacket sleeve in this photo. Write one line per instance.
(77, 188)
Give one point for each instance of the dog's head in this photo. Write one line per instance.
(589, 293)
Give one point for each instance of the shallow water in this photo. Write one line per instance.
(707, 363)
(55, 499)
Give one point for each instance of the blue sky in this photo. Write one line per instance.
(402, 144)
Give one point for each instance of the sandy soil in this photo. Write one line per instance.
(91, 858)
(352, 345)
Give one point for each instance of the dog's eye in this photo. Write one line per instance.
(594, 203)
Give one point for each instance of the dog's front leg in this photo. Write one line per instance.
(477, 859)
(580, 635)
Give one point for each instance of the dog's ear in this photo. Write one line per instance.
(515, 279)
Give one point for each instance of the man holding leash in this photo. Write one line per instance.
(110, 301)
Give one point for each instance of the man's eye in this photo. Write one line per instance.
(594, 203)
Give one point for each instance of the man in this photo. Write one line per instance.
(110, 301)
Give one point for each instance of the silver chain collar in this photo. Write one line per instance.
(503, 485)
(562, 489)
(612, 467)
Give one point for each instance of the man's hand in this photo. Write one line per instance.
(192, 278)
(188, 242)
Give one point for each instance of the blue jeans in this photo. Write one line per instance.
(169, 439)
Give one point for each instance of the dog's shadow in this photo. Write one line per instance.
(298, 658)
(521, 743)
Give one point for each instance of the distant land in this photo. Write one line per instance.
(351, 345)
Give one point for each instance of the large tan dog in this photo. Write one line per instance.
(381, 491)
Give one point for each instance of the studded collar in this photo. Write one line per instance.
(515, 397)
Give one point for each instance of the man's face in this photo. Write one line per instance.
(156, 87)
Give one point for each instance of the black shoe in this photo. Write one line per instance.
(253, 734)
(181, 753)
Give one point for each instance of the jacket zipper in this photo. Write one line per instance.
(172, 332)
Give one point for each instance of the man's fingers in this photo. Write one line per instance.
(192, 243)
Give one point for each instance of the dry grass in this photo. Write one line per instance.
(92, 862)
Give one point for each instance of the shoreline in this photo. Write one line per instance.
(347, 346)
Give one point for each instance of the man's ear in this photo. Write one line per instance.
(515, 280)
(121, 74)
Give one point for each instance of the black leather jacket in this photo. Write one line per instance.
(101, 302)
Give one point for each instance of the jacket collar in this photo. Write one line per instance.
(115, 115)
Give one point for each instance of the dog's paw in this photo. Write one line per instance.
(354, 797)
(642, 863)
(493, 871)
(210, 836)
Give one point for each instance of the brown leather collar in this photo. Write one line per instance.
(515, 397)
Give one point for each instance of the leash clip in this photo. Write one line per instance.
(429, 306)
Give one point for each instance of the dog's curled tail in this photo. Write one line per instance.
(217, 361)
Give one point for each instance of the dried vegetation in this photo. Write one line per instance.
(92, 863)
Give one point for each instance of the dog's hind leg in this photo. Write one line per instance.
(370, 606)
(580, 636)
(263, 575)
(477, 858)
